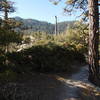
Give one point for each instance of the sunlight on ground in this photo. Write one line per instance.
(86, 88)
(73, 83)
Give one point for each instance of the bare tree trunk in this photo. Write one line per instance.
(56, 26)
(5, 14)
(94, 41)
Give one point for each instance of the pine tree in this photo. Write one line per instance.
(6, 7)
(89, 7)
(94, 41)
(7, 33)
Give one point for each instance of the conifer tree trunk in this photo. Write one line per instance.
(6, 14)
(94, 41)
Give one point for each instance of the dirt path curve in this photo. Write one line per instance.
(59, 87)
(50, 87)
(76, 82)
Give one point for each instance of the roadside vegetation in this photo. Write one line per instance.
(47, 53)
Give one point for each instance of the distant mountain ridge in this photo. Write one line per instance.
(32, 25)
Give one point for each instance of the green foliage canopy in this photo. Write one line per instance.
(74, 5)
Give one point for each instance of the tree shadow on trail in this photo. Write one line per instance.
(36, 87)
(40, 86)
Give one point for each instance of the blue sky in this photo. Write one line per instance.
(42, 10)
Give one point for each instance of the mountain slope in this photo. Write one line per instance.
(32, 25)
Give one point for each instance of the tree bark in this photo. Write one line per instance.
(94, 42)
(6, 14)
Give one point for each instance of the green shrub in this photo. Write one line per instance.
(50, 53)
(46, 58)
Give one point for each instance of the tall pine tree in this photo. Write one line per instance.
(6, 7)
(7, 33)
(89, 7)
(94, 41)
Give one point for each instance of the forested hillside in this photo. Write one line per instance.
(32, 25)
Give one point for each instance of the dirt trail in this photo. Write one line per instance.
(76, 82)
(52, 87)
